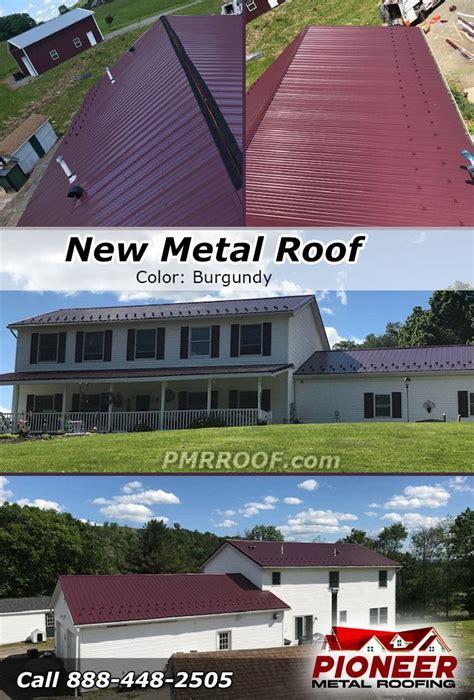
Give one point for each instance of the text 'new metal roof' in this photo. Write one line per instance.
(46, 29)
(435, 358)
(356, 126)
(310, 554)
(159, 142)
(122, 598)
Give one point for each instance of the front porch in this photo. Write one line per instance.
(146, 404)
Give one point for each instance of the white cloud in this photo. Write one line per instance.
(133, 512)
(316, 522)
(226, 524)
(412, 521)
(39, 503)
(333, 335)
(132, 486)
(254, 507)
(342, 296)
(4, 409)
(460, 483)
(229, 512)
(420, 497)
(5, 492)
(148, 497)
(292, 501)
(308, 485)
(90, 522)
(326, 310)
(371, 514)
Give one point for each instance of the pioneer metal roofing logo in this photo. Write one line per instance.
(369, 658)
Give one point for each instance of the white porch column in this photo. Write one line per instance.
(209, 395)
(259, 396)
(162, 404)
(111, 406)
(15, 400)
(64, 408)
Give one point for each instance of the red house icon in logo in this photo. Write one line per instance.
(422, 640)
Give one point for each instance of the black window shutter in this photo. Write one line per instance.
(182, 401)
(396, 404)
(62, 347)
(183, 352)
(79, 346)
(267, 339)
(233, 398)
(58, 402)
(131, 344)
(368, 405)
(108, 346)
(160, 343)
(34, 348)
(214, 399)
(215, 338)
(76, 402)
(30, 403)
(234, 340)
(463, 404)
(266, 399)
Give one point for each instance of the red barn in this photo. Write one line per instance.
(54, 42)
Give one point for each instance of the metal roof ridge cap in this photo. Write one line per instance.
(292, 49)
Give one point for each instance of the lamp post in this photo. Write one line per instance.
(407, 386)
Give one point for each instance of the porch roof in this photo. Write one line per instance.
(142, 373)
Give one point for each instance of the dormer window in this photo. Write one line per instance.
(199, 341)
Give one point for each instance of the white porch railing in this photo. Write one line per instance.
(127, 421)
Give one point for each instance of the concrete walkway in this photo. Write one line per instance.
(147, 21)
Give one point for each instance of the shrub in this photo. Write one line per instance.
(141, 428)
(208, 422)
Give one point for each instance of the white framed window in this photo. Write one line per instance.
(383, 405)
(334, 579)
(251, 339)
(54, 55)
(431, 649)
(251, 5)
(48, 347)
(145, 343)
(370, 648)
(77, 42)
(303, 627)
(383, 579)
(224, 640)
(200, 341)
(399, 643)
(93, 345)
(383, 616)
(49, 619)
(342, 616)
(276, 578)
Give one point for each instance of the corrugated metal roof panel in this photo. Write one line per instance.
(179, 310)
(310, 554)
(142, 148)
(51, 27)
(121, 598)
(360, 129)
(440, 358)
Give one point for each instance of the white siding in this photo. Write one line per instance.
(46, 136)
(230, 561)
(65, 633)
(306, 591)
(27, 157)
(17, 627)
(317, 399)
(304, 337)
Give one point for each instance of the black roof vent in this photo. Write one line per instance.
(75, 192)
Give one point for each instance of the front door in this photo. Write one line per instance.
(142, 403)
(28, 65)
(92, 39)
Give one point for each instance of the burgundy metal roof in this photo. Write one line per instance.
(310, 554)
(180, 310)
(121, 598)
(80, 375)
(355, 126)
(161, 145)
(439, 358)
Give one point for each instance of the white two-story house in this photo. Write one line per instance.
(240, 362)
(324, 585)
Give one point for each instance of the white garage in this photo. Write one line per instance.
(136, 622)
(25, 619)
(389, 384)
(29, 142)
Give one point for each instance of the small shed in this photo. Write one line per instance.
(51, 43)
(28, 142)
(25, 619)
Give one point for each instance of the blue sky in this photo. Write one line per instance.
(40, 11)
(304, 507)
(345, 314)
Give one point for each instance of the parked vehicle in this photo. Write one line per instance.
(406, 11)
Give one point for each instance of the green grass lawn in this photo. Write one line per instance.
(360, 447)
(127, 12)
(273, 31)
(450, 631)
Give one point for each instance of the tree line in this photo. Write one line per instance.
(36, 546)
(448, 320)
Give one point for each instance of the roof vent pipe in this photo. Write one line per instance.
(110, 76)
(67, 170)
